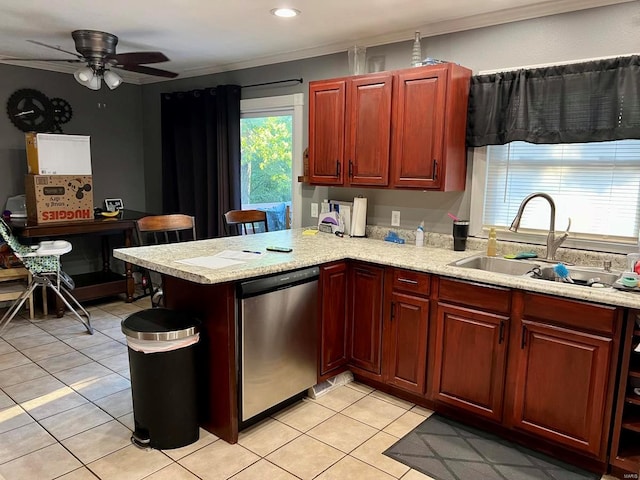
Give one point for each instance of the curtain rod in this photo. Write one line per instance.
(554, 64)
(297, 80)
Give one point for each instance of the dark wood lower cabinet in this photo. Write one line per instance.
(470, 359)
(406, 342)
(561, 385)
(365, 317)
(333, 308)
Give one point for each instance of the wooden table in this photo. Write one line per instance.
(92, 285)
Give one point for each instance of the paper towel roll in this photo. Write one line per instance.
(359, 217)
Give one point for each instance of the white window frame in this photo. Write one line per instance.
(477, 228)
(293, 104)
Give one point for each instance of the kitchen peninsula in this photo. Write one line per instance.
(376, 297)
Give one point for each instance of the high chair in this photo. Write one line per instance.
(43, 263)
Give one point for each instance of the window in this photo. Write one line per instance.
(597, 185)
(271, 148)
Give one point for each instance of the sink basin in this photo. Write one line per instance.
(496, 265)
(581, 275)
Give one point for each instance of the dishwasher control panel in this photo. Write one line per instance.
(278, 281)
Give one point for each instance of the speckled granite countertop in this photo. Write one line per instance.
(322, 248)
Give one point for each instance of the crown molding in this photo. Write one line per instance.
(527, 12)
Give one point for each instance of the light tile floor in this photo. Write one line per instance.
(66, 413)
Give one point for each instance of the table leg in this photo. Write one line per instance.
(131, 286)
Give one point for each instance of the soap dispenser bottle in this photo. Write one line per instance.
(420, 235)
(492, 244)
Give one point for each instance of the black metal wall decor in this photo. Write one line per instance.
(32, 111)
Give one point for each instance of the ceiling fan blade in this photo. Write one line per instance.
(40, 60)
(54, 48)
(148, 70)
(137, 58)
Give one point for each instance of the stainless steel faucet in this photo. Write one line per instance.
(553, 242)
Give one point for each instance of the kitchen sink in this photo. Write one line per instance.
(585, 276)
(580, 275)
(496, 265)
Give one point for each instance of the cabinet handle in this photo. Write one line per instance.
(337, 168)
(350, 169)
(435, 169)
(523, 340)
(501, 332)
(407, 280)
(393, 310)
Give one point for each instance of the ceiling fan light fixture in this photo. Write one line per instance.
(84, 75)
(112, 79)
(285, 12)
(95, 83)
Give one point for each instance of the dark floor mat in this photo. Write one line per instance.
(447, 450)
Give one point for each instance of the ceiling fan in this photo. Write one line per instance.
(98, 50)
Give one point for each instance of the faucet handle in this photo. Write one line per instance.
(568, 227)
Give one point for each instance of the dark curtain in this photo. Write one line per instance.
(583, 102)
(201, 155)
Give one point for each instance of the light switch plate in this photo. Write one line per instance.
(395, 218)
(314, 210)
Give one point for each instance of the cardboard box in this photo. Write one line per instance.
(56, 154)
(59, 198)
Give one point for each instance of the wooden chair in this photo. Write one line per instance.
(245, 222)
(158, 230)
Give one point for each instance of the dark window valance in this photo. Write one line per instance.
(582, 102)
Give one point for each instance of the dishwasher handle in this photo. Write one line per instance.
(277, 282)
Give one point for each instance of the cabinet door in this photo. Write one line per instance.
(368, 130)
(406, 337)
(365, 317)
(470, 359)
(419, 114)
(561, 385)
(333, 344)
(327, 101)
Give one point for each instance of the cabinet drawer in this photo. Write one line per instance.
(488, 298)
(571, 313)
(411, 282)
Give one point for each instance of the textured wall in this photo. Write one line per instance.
(116, 145)
(116, 133)
(605, 31)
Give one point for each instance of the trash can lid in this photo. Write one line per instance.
(160, 324)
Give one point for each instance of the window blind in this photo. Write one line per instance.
(597, 185)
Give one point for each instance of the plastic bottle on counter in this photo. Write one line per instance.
(492, 244)
(420, 235)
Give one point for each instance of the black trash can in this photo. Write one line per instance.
(162, 361)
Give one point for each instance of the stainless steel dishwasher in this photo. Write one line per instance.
(277, 339)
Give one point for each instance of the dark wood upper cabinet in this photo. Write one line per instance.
(400, 129)
(365, 317)
(429, 119)
(368, 119)
(327, 101)
(333, 308)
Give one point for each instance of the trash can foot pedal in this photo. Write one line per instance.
(142, 443)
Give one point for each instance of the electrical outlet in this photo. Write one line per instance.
(314, 210)
(395, 218)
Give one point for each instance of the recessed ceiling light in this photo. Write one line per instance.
(285, 12)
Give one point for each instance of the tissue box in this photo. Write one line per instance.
(56, 154)
(59, 198)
